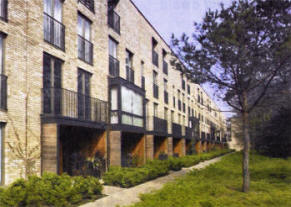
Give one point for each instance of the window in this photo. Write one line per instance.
(183, 84)
(54, 30)
(85, 47)
(131, 107)
(129, 70)
(113, 61)
(166, 113)
(1, 152)
(52, 80)
(166, 96)
(88, 3)
(155, 55)
(174, 102)
(3, 78)
(165, 64)
(84, 106)
(3, 9)
(113, 20)
(142, 75)
(156, 110)
(172, 116)
(155, 84)
(188, 89)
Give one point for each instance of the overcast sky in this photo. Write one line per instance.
(178, 16)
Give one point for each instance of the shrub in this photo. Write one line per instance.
(127, 177)
(49, 190)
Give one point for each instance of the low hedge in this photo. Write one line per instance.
(128, 177)
(50, 190)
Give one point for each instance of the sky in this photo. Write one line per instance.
(178, 17)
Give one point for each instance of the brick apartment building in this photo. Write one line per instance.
(86, 77)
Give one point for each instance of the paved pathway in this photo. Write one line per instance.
(122, 196)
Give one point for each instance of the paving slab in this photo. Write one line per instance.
(127, 196)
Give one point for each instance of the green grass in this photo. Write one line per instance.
(220, 185)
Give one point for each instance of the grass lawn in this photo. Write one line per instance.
(220, 185)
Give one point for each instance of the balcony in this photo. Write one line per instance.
(165, 67)
(3, 10)
(89, 4)
(156, 91)
(3, 92)
(129, 74)
(160, 125)
(85, 50)
(114, 21)
(66, 104)
(113, 66)
(166, 97)
(176, 130)
(54, 32)
(188, 133)
(155, 57)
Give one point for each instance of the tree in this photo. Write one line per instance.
(241, 51)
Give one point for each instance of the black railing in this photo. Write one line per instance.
(143, 82)
(176, 130)
(3, 9)
(129, 74)
(165, 67)
(155, 58)
(189, 132)
(3, 92)
(166, 97)
(156, 91)
(54, 32)
(160, 125)
(114, 21)
(89, 4)
(69, 104)
(85, 50)
(113, 66)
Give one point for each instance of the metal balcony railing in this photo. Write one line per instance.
(129, 74)
(176, 130)
(160, 125)
(113, 66)
(3, 92)
(54, 32)
(89, 4)
(155, 58)
(114, 21)
(156, 91)
(165, 67)
(58, 102)
(85, 50)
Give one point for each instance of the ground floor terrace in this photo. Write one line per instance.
(88, 150)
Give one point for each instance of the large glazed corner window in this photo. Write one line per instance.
(54, 30)
(132, 107)
(1, 152)
(3, 78)
(85, 47)
(3, 9)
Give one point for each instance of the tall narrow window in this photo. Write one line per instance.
(166, 96)
(156, 110)
(3, 78)
(129, 70)
(155, 84)
(84, 105)
(1, 152)
(54, 30)
(166, 113)
(155, 55)
(51, 84)
(142, 75)
(113, 61)
(85, 47)
(3, 9)
(172, 116)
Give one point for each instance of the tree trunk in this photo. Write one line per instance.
(246, 135)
